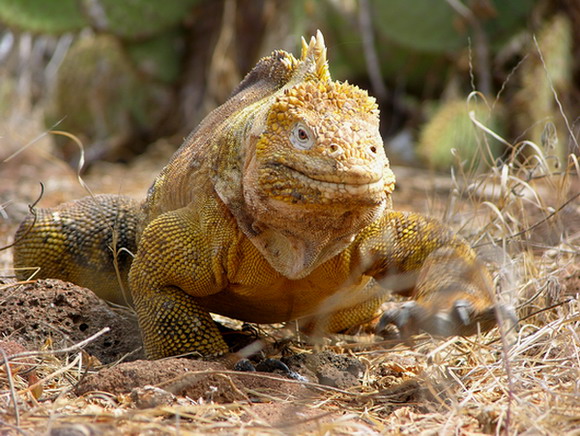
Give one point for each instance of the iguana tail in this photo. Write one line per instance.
(90, 242)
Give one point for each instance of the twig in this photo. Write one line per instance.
(370, 51)
(78, 142)
(570, 131)
(533, 226)
(11, 387)
(481, 45)
(31, 208)
(74, 347)
(34, 141)
(507, 79)
(13, 427)
(507, 365)
(545, 309)
(54, 374)
(116, 251)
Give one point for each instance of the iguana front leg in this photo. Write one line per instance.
(175, 264)
(451, 290)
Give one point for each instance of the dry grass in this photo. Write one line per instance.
(468, 391)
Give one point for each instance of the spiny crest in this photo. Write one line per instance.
(287, 59)
(315, 52)
(322, 97)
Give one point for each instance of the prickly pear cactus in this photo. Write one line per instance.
(101, 99)
(543, 77)
(158, 58)
(43, 16)
(132, 19)
(450, 137)
(426, 26)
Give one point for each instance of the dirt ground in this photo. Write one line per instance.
(513, 383)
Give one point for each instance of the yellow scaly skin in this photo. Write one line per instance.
(278, 207)
(73, 242)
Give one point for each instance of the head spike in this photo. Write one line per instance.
(320, 40)
(314, 54)
(304, 50)
(320, 56)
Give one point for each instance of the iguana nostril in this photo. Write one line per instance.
(335, 150)
(373, 149)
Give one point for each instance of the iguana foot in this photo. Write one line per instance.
(406, 317)
(462, 319)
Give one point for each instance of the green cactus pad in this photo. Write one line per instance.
(102, 100)
(422, 25)
(135, 19)
(451, 128)
(159, 57)
(42, 16)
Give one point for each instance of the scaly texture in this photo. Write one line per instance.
(79, 241)
(278, 207)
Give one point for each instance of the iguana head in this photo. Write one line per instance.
(321, 144)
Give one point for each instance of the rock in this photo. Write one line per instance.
(67, 314)
(149, 397)
(327, 368)
(125, 377)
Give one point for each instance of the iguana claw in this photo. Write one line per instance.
(462, 319)
(410, 318)
(406, 317)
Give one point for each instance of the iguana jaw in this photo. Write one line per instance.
(333, 183)
(296, 186)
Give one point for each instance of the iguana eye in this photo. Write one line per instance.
(302, 137)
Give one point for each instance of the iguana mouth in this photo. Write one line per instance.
(340, 183)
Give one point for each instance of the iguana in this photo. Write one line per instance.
(277, 207)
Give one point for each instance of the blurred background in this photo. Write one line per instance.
(121, 75)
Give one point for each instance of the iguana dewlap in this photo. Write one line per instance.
(277, 207)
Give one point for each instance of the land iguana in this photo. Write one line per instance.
(277, 207)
